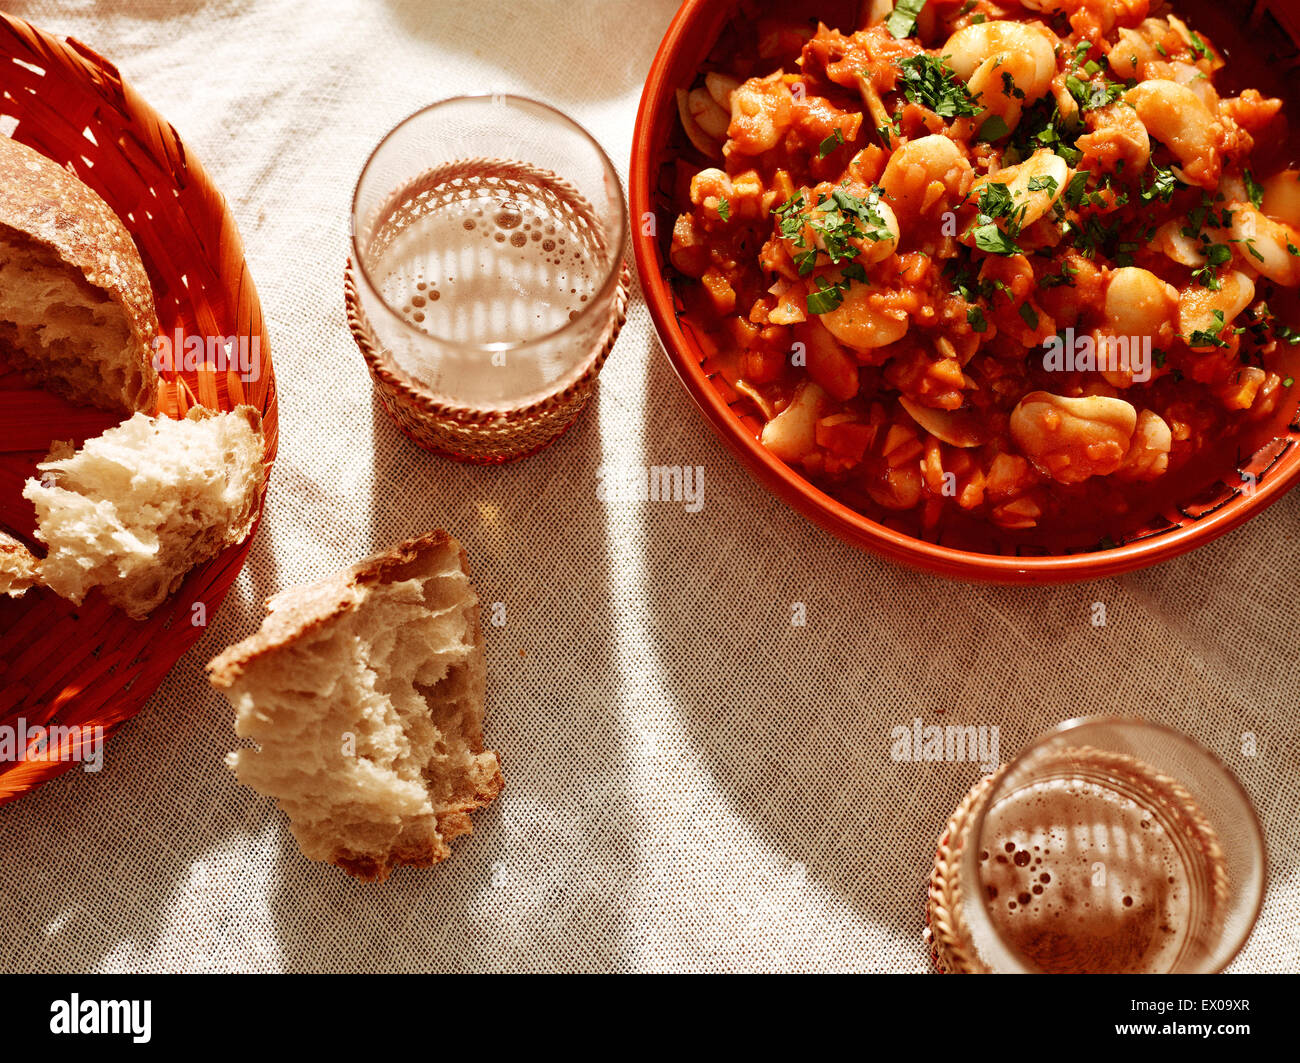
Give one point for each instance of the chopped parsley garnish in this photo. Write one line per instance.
(1209, 337)
(1163, 185)
(902, 22)
(1089, 95)
(840, 222)
(1253, 189)
(826, 298)
(930, 82)
(1092, 236)
(1198, 46)
(830, 144)
(994, 128)
(1043, 126)
(1286, 334)
(790, 217)
(1076, 191)
(1216, 255)
(975, 318)
(990, 238)
(1028, 315)
(1079, 90)
(724, 208)
(1063, 279)
(996, 201)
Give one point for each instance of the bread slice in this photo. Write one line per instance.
(136, 508)
(76, 308)
(364, 693)
(17, 567)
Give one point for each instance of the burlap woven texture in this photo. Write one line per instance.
(693, 781)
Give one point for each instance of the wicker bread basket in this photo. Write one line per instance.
(91, 666)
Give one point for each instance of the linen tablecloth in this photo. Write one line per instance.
(693, 780)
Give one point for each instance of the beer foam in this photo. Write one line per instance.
(1078, 876)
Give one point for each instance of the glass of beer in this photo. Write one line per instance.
(1110, 845)
(487, 281)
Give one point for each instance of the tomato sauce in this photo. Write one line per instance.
(883, 323)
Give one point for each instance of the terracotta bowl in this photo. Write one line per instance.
(1275, 467)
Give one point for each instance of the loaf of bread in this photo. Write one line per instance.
(17, 567)
(364, 693)
(136, 508)
(76, 309)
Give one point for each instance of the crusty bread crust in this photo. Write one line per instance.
(18, 567)
(48, 207)
(300, 612)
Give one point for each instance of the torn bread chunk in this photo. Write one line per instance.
(364, 694)
(17, 567)
(136, 508)
(76, 308)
